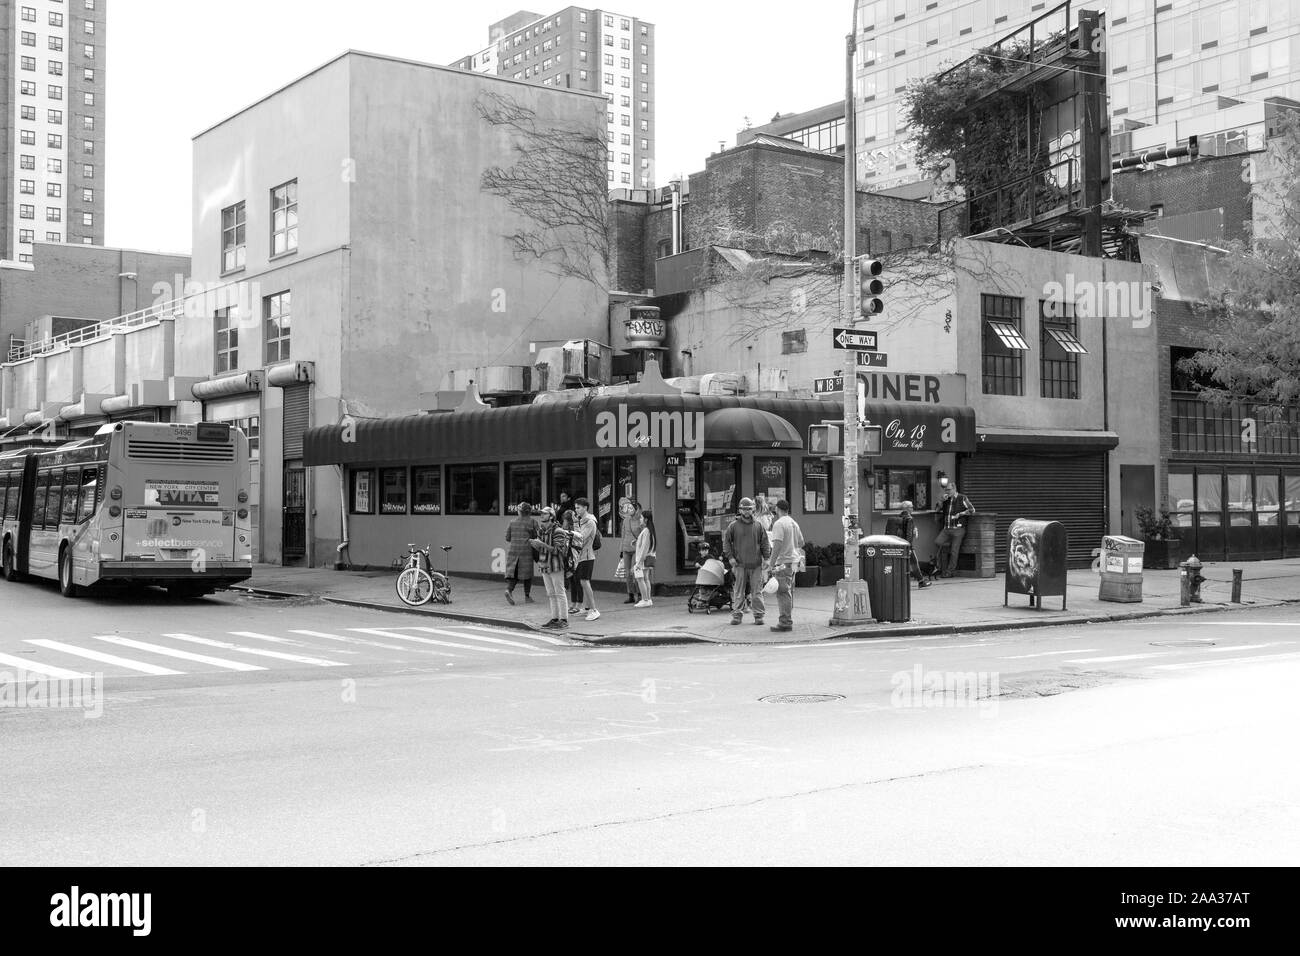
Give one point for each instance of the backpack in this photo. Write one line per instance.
(595, 542)
(569, 556)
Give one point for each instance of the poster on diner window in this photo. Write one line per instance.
(361, 492)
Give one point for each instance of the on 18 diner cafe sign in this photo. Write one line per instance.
(917, 411)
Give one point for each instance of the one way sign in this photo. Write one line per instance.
(854, 339)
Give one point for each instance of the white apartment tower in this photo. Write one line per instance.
(581, 48)
(52, 104)
(1177, 68)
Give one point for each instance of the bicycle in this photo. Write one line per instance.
(418, 582)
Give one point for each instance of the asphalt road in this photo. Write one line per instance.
(366, 739)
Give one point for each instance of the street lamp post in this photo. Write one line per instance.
(851, 602)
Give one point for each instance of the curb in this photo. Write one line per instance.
(663, 638)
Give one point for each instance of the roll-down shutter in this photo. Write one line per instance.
(1069, 489)
(295, 419)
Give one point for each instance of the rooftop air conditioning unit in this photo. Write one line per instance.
(722, 383)
(586, 362)
(503, 380)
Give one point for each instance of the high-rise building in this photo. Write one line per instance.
(1195, 67)
(51, 124)
(585, 49)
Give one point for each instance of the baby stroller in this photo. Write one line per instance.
(713, 584)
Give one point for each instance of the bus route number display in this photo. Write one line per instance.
(164, 494)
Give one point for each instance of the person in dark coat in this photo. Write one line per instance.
(519, 557)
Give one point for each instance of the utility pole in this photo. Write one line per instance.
(852, 605)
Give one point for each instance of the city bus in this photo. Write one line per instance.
(137, 503)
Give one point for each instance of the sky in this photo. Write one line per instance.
(176, 67)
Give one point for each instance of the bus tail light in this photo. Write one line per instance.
(243, 514)
(114, 511)
(242, 496)
(116, 494)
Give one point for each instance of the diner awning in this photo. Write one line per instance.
(749, 428)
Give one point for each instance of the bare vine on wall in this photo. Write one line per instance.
(557, 184)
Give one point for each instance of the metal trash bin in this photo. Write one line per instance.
(884, 564)
(1121, 569)
(1036, 553)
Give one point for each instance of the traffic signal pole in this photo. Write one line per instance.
(851, 602)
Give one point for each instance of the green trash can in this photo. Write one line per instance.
(884, 564)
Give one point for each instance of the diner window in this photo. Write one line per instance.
(474, 489)
(772, 478)
(569, 477)
(392, 491)
(363, 491)
(1004, 345)
(1060, 349)
(615, 480)
(523, 483)
(426, 483)
(816, 486)
(896, 485)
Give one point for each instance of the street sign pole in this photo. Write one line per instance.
(851, 603)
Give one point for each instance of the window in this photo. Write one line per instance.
(609, 59)
(88, 27)
(54, 165)
(26, 235)
(227, 341)
(29, 39)
(896, 485)
(25, 257)
(362, 498)
(55, 68)
(645, 106)
(54, 237)
(87, 195)
(615, 480)
(625, 102)
(609, 40)
(523, 483)
(582, 75)
(609, 21)
(233, 249)
(625, 82)
(89, 497)
(772, 478)
(276, 320)
(53, 214)
(88, 122)
(582, 36)
(54, 92)
(27, 63)
(54, 190)
(794, 341)
(626, 179)
(625, 159)
(54, 140)
(392, 491)
(56, 44)
(87, 171)
(54, 116)
(56, 19)
(26, 212)
(284, 218)
(624, 63)
(625, 43)
(1060, 349)
(1003, 345)
(89, 51)
(473, 489)
(609, 79)
(90, 4)
(27, 186)
(426, 482)
(27, 88)
(29, 14)
(645, 50)
(625, 139)
(567, 477)
(645, 127)
(88, 219)
(27, 161)
(624, 25)
(816, 486)
(89, 75)
(644, 69)
(625, 119)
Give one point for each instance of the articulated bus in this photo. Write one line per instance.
(138, 503)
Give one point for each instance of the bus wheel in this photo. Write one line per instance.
(66, 585)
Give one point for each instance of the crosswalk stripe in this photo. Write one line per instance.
(104, 658)
(500, 630)
(354, 640)
(1076, 650)
(278, 640)
(183, 655)
(278, 655)
(32, 667)
(1117, 657)
(380, 632)
(1220, 661)
(464, 647)
(483, 637)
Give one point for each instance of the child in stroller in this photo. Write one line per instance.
(713, 583)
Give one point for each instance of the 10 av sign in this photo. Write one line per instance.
(854, 339)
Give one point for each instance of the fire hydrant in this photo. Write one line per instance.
(1190, 579)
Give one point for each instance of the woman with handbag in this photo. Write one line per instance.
(644, 564)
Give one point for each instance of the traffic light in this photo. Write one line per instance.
(870, 287)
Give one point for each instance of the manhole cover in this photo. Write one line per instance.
(1182, 643)
(801, 698)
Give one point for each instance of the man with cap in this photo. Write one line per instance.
(746, 546)
(550, 545)
(902, 526)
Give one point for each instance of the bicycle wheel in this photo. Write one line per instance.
(441, 588)
(414, 586)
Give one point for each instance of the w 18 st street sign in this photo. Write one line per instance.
(823, 386)
(853, 339)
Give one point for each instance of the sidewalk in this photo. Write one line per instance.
(950, 606)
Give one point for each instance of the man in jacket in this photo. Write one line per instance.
(746, 547)
(953, 512)
(786, 538)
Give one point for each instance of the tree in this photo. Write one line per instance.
(557, 184)
(1254, 350)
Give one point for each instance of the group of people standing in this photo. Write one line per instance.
(559, 545)
(763, 542)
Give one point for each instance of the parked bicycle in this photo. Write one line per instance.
(418, 583)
